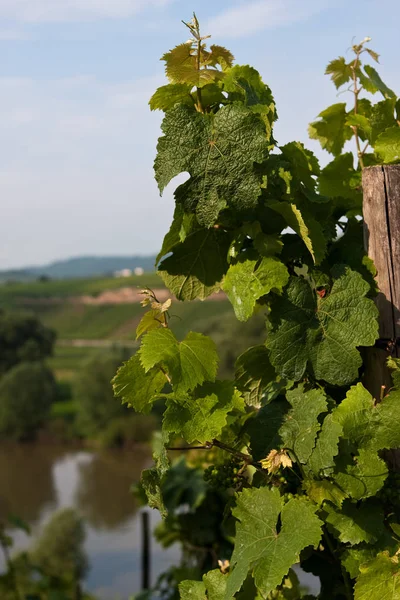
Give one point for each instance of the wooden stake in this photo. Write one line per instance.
(145, 550)
(381, 208)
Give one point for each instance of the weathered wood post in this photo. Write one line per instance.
(381, 208)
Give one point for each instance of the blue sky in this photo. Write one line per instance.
(77, 137)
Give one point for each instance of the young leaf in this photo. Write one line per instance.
(387, 145)
(301, 425)
(181, 67)
(305, 226)
(339, 71)
(188, 363)
(253, 373)
(382, 117)
(201, 418)
(324, 491)
(219, 152)
(258, 545)
(379, 578)
(322, 458)
(248, 280)
(323, 332)
(149, 321)
(167, 96)
(135, 386)
(378, 83)
(197, 265)
(331, 130)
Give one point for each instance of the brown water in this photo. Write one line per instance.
(36, 481)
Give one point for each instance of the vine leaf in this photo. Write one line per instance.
(263, 428)
(379, 578)
(202, 418)
(219, 152)
(324, 490)
(331, 130)
(385, 435)
(340, 71)
(357, 416)
(192, 590)
(378, 83)
(188, 363)
(387, 145)
(259, 547)
(301, 425)
(181, 64)
(305, 226)
(322, 458)
(323, 333)
(340, 180)
(253, 373)
(355, 524)
(151, 484)
(135, 386)
(196, 266)
(167, 96)
(360, 476)
(248, 280)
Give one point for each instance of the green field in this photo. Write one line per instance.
(104, 325)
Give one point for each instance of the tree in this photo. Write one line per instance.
(295, 442)
(26, 394)
(23, 338)
(59, 551)
(97, 406)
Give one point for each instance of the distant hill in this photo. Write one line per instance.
(81, 266)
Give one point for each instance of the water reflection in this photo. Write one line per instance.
(106, 477)
(36, 481)
(26, 480)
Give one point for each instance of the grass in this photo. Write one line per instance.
(64, 410)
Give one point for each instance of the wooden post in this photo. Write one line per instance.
(381, 208)
(145, 550)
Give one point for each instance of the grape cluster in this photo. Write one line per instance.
(223, 476)
(390, 493)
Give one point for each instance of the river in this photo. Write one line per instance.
(37, 480)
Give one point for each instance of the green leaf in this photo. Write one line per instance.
(149, 321)
(196, 267)
(357, 416)
(360, 476)
(326, 448)
(135, 386)
(167, 96)
(394, 366)
(188, 363)
(203, 417)
(353, 558)
(219, 152)
(378, 83)
(385, 435)
(355, 524)
(151, 484)
(192, 590)
(323, 333)
(301, 425)
(331, 130)
(382, 117)
(340, 180)
(339, 71)
(253, 373)
(323, 491)
(361, 122)
(304, 165)
(182, 224)
(379, 579)
(258, 545)
(373, 54)
(263, 428)
(248, 280)
(387, 145)
(305, 226)
(181, 67)
(215, 583)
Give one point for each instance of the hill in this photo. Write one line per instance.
(80, 266)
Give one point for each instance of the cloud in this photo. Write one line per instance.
(250, 17)
(39, 11)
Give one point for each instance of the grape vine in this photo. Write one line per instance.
(293, 449)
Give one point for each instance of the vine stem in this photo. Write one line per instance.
(356, 92)
(245, 457)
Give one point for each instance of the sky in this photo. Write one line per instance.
(77, 138)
